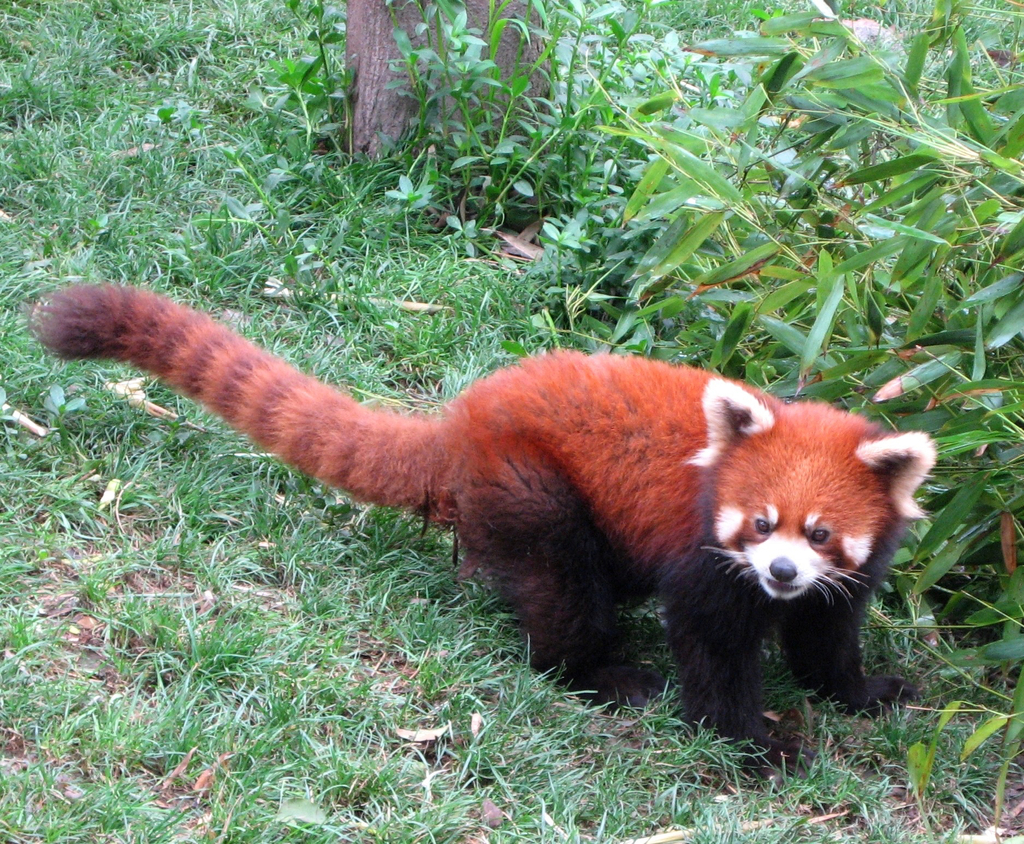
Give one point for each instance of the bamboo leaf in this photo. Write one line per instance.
(737, 47)
(909, 231)
(1009, 326)
(977, 738)
(1004, 650)
(888, 169)
(918, 376)
(739, 267)
(847, 73)
(701, 172)
(735, 330)
(954, 514)
(676, 245)
(652, 177)
(822, 327)
(790, 336)
(915, 61)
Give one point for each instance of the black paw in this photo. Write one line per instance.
(882, 692)
(775, 760)
(620, 686)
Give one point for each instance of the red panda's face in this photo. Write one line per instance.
(804, 493)
(790, 551)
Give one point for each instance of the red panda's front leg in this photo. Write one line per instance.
(715, 627)
(821, 641)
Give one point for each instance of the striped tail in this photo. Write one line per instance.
(378, 457)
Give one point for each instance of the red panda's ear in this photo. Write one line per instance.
(731, 414)
(905, 459)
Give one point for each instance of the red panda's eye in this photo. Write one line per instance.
(820, 535)
(762, 526)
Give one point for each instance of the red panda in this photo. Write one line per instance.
(576, 482)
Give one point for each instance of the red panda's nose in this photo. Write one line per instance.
(782, 569)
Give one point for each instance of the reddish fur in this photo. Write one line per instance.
(807, 461)
(569, 480)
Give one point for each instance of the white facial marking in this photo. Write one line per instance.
(857, 549)
(772, 514)
(809, 564)
(811, 522)
(728, 523)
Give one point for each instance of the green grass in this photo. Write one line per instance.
(223, 612)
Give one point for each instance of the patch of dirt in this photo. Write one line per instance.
(15, 753)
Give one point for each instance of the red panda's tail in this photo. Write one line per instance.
(378, 457)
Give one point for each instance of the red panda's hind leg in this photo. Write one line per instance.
(529, 533)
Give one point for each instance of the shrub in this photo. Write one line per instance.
(848, 223)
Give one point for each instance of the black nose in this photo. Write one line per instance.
(782, 570)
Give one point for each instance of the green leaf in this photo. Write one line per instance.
(735, 330)
(954, 514)
(701, 172)
(962, 90)
(822, 323)
(874, 311)
(739, 267)
(514, 348)
(738, 47)
(937, 568)
(1013, 242)
(917, 376)
(237, 209)
(402, 42)
(301, 811)
(924, 309)
(678, 243)
(912, 186)
(1009, 326)
(652, 177)
(784, 24)
(909, 231)
(1004, 650)
(779, 75)
(790, 336)
(888, 169)
(915, 61)
(975, 739)
(1013, 144)
(846, 73)
(782, 296)
(866, 257)
(919, 766)
(996, 290)
(657, 103)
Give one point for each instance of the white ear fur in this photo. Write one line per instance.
(906, 459)
(731, 414)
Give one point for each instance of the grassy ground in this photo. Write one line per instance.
(222, 650)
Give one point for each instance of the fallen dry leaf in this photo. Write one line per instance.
(519, 248)
(109, 493)
(492, 816)
(179, 769)
(423, 736)
(203, 781)
(28, 424)
(133, 152)
(889, 390)
(1008, 541)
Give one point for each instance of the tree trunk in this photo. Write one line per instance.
(382, 114)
